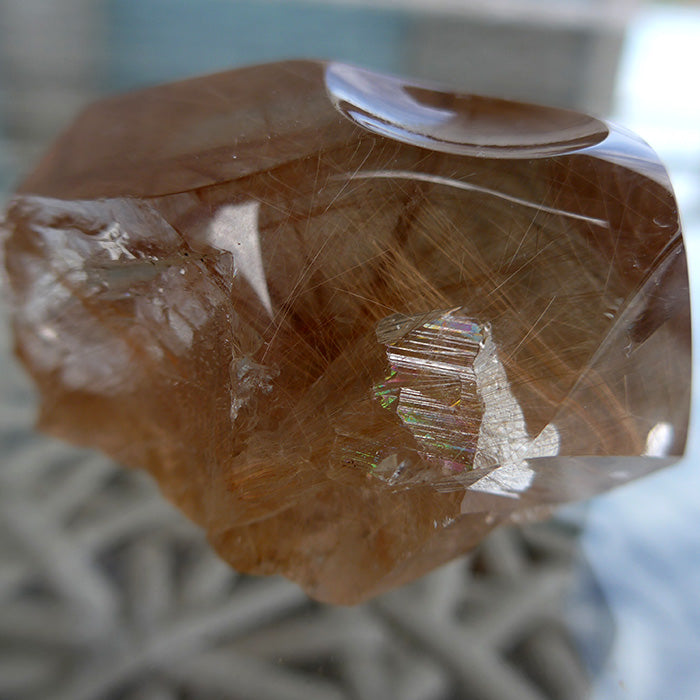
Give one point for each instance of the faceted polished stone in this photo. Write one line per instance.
(351, 324)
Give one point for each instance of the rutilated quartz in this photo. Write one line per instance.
(351, 324)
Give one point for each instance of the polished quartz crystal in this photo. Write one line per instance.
(351, 324)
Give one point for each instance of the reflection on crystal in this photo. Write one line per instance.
(234, 228)
(504, 441)
(351, 324)
(469, 186)
(659, 440)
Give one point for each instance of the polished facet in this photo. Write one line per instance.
(351, 324)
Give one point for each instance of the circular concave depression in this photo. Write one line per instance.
(457, 123)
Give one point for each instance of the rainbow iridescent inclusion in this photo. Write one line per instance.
(432, 386)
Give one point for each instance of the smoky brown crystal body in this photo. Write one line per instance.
(348, 323)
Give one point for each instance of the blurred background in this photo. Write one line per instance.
(107, 592)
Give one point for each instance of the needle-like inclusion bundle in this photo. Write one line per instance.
(351, 324)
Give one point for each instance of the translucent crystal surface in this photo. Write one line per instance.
(348, 323)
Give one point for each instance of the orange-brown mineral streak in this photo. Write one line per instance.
(348, 323)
